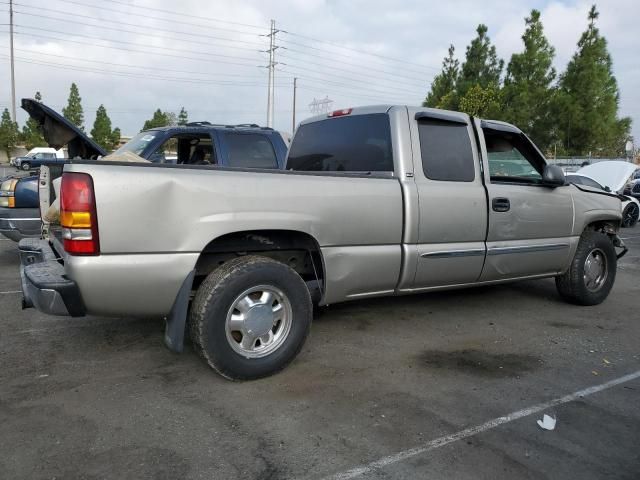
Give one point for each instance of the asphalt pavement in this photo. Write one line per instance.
(442, 385)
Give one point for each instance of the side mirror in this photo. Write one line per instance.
(553, 176)
(607, 189)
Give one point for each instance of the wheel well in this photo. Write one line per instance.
(296, 249)
(610, 227)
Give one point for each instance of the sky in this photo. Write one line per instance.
(208, 56)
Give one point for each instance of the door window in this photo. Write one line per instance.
(192, 149)
(250, 150)
(512, 159)
(446, 151)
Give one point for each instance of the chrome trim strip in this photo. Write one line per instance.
(527, 248)
(472, 252)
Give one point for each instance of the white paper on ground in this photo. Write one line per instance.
(547, 422)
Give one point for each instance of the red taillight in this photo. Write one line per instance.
(78, 215)
(340, 113)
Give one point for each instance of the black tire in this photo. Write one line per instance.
(214, 300)
(572, 285)
(630, 215)
(25, 166)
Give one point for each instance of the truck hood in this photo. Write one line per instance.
(613, 174)
(58, 131)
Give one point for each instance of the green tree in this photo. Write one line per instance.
(442, 90)
(31, 135)
(528, 90)
(482, 102)
(183, 117)
(73, 111)
(102, 133)
(9, 133)
(159, 119)
(481, 65)
(587, 106)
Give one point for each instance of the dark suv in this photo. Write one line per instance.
(196, 143)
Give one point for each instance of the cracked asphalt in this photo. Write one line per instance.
(102, 398)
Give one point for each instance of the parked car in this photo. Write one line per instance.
(630, 206)
(611, 176)
(36, 157)
(384, 200)
(197, 143)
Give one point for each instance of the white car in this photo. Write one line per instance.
(611, 176)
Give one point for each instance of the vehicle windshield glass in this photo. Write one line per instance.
(137, 144)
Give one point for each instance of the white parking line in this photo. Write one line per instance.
(10, 292)
(471, 431)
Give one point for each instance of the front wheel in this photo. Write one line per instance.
(630, 215)
(250, 317)
(592, 272)
(26, 166)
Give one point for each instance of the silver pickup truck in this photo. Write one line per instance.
(384, 200)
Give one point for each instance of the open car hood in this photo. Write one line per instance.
(613, 174)
(58, 131)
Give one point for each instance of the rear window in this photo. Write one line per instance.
(446, 151)
(360, 143)
(250, 150)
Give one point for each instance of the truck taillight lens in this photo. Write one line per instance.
(78, 215)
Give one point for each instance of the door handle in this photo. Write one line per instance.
(500, 204)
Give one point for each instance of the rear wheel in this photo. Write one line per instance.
(250, 317)
(630, 215)
(592, 272)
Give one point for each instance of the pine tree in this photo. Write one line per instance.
(101, 131)
(588, 99)
(443, 86)
(481, 66)
(73, 111)
(9, 133)
(183, 117)
(159, 119)
(31, 135)
(528, 87)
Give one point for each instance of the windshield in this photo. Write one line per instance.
(137, 144)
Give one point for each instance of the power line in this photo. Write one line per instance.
(170, 20)
(333, 60)
(145, 52)
(336, 45)
(351, 79)
(174, 12)
(147, 45)
(48, 17)
(143, 67)
(148, 76)
(365, 77)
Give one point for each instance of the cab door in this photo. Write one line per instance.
(451, 197)
(530, 224)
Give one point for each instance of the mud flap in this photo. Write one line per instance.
(177, 318)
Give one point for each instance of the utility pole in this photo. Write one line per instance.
(295, 86)
(272, 68)
(13, 75)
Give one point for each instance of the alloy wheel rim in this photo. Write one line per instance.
(595, 270)
(631, 215)
(258, 321)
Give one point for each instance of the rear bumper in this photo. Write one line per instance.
(44, 284)
(19, 223)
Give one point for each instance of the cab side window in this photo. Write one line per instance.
(446, 151)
